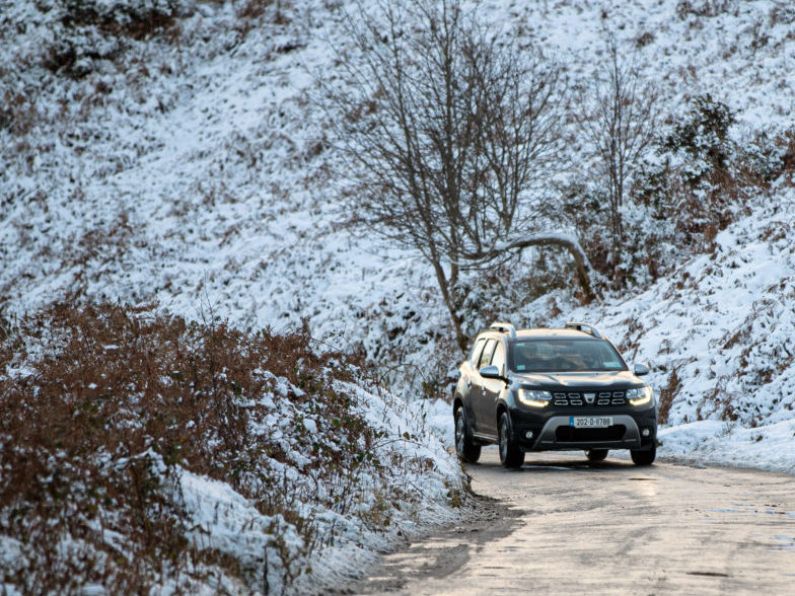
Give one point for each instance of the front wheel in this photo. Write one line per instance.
(596, 454)
(511, 456)
(645, 457)
(466, 449)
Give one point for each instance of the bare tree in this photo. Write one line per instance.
(618, 117)
(447, 127)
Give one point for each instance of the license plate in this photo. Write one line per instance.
(590, 421)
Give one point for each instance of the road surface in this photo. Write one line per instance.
(612, 528)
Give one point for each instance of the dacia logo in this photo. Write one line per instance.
(589, 397)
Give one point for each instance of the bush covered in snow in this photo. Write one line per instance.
(79, 37)
(139, 450)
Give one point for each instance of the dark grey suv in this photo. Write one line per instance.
(552, 389)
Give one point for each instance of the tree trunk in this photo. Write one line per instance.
(452, 308)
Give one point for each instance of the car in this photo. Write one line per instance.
(552, 390)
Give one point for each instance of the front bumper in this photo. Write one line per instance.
(552, 431)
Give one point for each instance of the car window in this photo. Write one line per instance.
(498, 359)
(565, 355)
(473, 357)
(488, 351)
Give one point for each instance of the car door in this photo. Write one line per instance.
(479, 404)
(490, 392)
(468, 385)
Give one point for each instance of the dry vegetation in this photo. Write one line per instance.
(94, 31)
(102, 407)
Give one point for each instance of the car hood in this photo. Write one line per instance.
(573, 380)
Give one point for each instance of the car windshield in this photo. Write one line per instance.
(564, 355)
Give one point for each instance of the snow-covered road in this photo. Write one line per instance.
(611, 528)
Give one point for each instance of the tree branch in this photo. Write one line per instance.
(565, 241)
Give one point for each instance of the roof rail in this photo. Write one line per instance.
(504, 328)
(585, 328)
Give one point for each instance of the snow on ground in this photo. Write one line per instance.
(426, 472)
(438, 415)
(769, 447)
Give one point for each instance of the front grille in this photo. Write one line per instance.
(569, 434)
(600, 398)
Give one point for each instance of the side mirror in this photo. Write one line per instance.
(490, 372)
(640, 369)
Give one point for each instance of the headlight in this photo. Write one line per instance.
(640, 396)
(533, 398)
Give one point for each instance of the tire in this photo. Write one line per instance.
(465, 447)
(645, 457)
(596, 454)
(511, 456)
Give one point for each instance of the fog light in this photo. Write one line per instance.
(529, 434)
(646, 432)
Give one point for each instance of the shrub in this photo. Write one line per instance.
(138, 19)
(696, 181)
(90, 30)
(704, 8)
(703, 137)
(102, 408)
(770, 158)
(17, 112)
(255, 9)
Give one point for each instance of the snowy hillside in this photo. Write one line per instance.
(200, 169)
